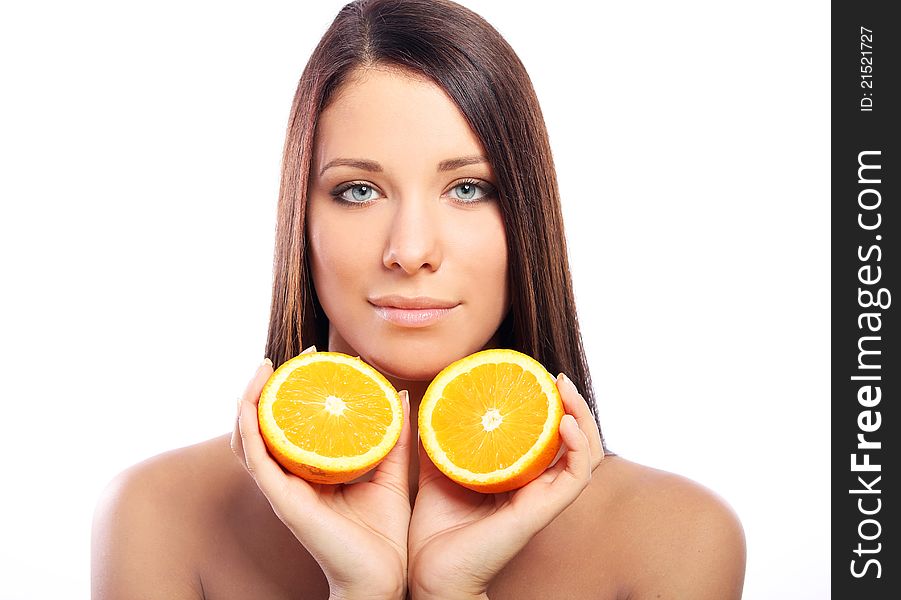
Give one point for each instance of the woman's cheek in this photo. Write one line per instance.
(338, 244)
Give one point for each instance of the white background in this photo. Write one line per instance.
(140, 147)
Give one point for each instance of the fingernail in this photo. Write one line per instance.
(570, 383)
(406, 398)
(265, 362)
(310, 349)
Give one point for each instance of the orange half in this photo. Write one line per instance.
(490, 421)
(328, 417)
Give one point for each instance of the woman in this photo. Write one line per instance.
(417, 173)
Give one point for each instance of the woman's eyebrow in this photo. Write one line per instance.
(371, 165)
(455, 163)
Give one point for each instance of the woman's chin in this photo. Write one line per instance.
(409, 365)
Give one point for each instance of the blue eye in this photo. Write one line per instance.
(468, 190)
(360, 193)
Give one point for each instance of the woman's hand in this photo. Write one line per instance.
(356, 532)
(461, 539)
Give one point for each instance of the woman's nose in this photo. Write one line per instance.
(413, 238)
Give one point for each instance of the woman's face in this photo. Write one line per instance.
(406, 240)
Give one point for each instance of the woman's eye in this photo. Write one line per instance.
(356, 193)
(470, 191)
(363, 193)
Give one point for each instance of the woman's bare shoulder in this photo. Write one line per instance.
(191, 523)
(634, 532)
(176, 481)
(671, 537)
(173, 465)
(148, 519)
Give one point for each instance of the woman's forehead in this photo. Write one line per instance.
(395, 117)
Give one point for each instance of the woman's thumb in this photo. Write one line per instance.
(394, 469)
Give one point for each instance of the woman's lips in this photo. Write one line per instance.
(412, 317)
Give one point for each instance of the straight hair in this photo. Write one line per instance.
(465, 56)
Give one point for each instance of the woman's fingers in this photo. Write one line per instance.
(236, 445)
(285, 492)
(259, 379)
(576, 462)
(574, 404)
(427, 470)
(394, 470)
(254, 450)
(250, 397)
(540, 501)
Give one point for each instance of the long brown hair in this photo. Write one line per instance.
(461, 53)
